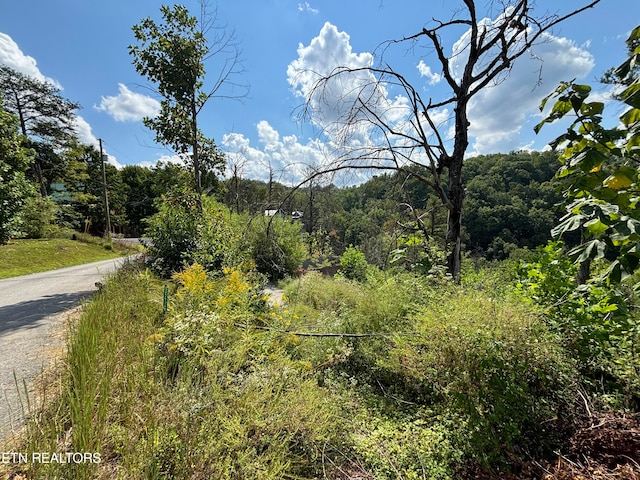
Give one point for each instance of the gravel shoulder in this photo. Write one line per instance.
(34, 352)
(34, 314)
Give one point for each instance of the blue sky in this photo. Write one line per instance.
(81, 45)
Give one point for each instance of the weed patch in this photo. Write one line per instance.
(224, 385)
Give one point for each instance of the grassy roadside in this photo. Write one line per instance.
(22, 257)
(220, 386)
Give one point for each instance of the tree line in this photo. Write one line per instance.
(52, 180)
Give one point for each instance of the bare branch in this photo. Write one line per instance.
(359, 118)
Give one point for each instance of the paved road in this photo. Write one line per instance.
(33, 309)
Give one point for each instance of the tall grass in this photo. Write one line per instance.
(105, 367)
(478, 374)
(225, 386)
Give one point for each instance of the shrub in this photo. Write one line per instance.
(275, 245)
(597, 321)
(260, 413)
(407, 446)
(38, 217)
(491, 362)
(488, 362)
(416, 253)
(353, 264)
(181, 233)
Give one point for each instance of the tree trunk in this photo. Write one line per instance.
(454, 226)
(456, 188)
(584, 272)
(42, 186)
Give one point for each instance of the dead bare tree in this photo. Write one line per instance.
(363, 121)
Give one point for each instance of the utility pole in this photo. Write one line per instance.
(106, 195)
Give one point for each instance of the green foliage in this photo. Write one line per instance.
(225, 386)
(510, 202)
(42, 111)
(181, 234)
(275, 244)
(45, 118)
(138, 183)
(600, 172)
(494, 363)
(407, 446)
(108, 368)
(37, 218)
(224, 402)
(172, 54)
(417, 254)
(353, 264)
(14, 162)
(597, 321)
(445, 363)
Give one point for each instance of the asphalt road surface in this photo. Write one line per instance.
(33, 309)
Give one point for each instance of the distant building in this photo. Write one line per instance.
(273, 213)
(59, 193)
(295, 215)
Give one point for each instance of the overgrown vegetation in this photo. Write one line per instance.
(598, 323)
(182, 366)
(417, 378)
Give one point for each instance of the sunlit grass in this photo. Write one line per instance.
(22, 257)
(224, 385)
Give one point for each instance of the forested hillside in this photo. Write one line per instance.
(511, 200)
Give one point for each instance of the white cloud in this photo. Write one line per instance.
(306, 7)
(267, 134)
(177, 159)
(326, 52)
(113, 161)
(497, 113)
(86, 136)
(128, 106)
(12, 56)
(289, 159)
(333, 105)
(425, 71)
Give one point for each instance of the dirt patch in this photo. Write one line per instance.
(275, 294)
(607, 447)
(604, 446)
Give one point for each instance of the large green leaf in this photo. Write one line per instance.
(593, 249)
(633, 144)
(573, 222)
(592, 108)
(596, 226)
(589, 159)
(631, 117)
(619, 180)
(631, 95)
